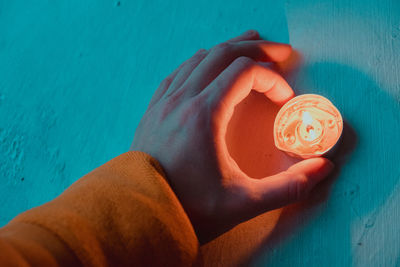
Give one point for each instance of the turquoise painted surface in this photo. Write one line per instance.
(76, 76)
(349, 54)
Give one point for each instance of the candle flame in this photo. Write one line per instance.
(313, 136)
(307, 119)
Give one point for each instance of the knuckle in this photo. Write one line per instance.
(243, 61)
(175, 97)
(253, 33)
(222, 46)
(197, 102)
(201, 51)
(165, 110)
(166, 82)
(198, 55)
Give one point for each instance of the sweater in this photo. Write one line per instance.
(123, 213)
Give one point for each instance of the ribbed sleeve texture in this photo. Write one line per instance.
(123, 213)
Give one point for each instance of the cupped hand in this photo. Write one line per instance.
(185, 125)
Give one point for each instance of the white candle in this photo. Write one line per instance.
(307, 126)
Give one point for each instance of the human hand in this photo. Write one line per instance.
(185, 125)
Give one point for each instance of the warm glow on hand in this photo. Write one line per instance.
(185, 127)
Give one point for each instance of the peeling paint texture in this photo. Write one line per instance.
(76, 77)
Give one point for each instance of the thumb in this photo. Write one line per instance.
(291, 185)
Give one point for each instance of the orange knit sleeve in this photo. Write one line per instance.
(123, 213)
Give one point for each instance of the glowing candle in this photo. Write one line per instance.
(307, 126)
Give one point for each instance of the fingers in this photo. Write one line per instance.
(222, 55)
(242, 76)
(164, 85)
(203, 67)
(185, 70)
(188, 66)
(289, 186)
(172, 83)
(177, 77)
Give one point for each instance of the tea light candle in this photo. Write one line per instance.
(307, 126)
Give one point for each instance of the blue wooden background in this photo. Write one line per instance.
(76, 77)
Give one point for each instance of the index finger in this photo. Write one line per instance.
(244, 75)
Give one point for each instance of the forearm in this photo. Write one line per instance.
(124, 212)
